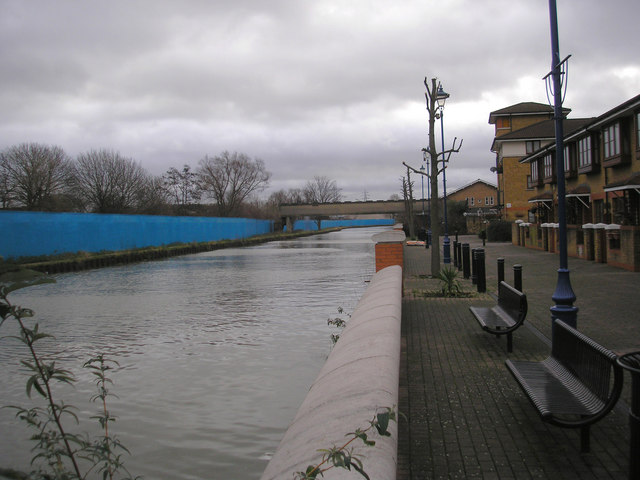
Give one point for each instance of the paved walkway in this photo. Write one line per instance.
(467, 417)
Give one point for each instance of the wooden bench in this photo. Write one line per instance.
(506, 316)
(577, 385)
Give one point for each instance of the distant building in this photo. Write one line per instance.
(482, 203)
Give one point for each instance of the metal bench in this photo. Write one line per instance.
(506, 316)
(577, 385)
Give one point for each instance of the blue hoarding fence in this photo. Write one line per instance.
(26, 234)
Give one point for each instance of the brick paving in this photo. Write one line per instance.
(466, 416)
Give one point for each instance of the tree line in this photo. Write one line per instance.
(41, 177)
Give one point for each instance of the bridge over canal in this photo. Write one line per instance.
(289, 211)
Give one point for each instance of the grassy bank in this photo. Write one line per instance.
(71, 262)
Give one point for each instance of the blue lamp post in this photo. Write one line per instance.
(441, 98)
(426, 161)
(424, 221)
(563, 295)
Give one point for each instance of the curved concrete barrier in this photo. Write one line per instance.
(360, 375)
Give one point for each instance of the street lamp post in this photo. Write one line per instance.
(563, 296)
(441, 98)
(426, 161)
(424, 221)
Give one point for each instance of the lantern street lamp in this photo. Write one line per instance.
(441, 98)
(563, 295)
(424, 220)
(426, 161)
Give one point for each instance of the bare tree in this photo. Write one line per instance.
(6, 186)
(153, 197)
(230, 178)
(407, 193)
(322, 190)
(182, 186)
(437, 167)
(32, 174)
(109, 182)
(293, 195)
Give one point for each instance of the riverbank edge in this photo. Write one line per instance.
(359, 378)
(86, 260)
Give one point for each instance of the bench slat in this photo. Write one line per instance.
(492, 317)
(506, 316)
(573, 387)
(554, 390)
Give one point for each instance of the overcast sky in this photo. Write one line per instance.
(331, 88)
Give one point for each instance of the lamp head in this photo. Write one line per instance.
(441, 96)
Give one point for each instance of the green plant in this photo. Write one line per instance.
(449, 281)
(344, 456)
(58, 453)
(102, 453)
(337, 322)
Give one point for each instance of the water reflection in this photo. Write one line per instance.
(217, 350)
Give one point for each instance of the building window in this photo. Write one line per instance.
(491, 200)
(638, 131)
(585, 158)
(503, 122)
(534, 172)
(611, 139)
(548, 167)
(532, 146)
(569, 160)
(472, 201)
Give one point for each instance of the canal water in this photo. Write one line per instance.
(216, 351)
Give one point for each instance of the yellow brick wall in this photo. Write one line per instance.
(516, 195)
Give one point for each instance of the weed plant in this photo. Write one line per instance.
(59, 454)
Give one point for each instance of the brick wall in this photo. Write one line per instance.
(516, 195)
(388, 254)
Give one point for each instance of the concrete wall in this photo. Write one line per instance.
(41, 233)
(360, 375)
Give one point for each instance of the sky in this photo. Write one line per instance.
(311, 87)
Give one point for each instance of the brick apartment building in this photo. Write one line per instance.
(602, 174)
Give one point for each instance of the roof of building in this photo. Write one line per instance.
(545, 130)
(471, 184)
(542, 197)
(632, 182)
(617, 112)
(574, 129)
(524, 108)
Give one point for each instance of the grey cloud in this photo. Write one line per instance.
(327, 87)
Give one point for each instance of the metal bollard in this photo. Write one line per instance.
(474, 266)
(455, 253)
(517, 277)
(500, 270)
(466, 263)
(459, 257)
(481, 276)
